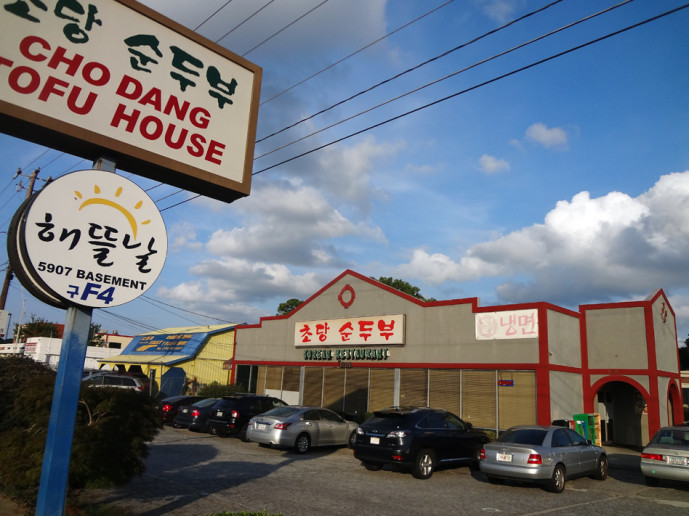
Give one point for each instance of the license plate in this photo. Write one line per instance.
(676, 461)
(504, 457)
(219, 413)
(260, 426)
(375, 440)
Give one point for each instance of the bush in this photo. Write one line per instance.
(218, 390)
(111, 431)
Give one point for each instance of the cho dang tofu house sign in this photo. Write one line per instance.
(115, 78)
(89, 238)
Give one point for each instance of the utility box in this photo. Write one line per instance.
(588, 425)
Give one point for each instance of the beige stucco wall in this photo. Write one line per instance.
(566, 395)
(616, 338)
(438, 334)
(665, 336)
(564, 339)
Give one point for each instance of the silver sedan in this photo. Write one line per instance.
(301, 428)
(667, 455)
(544, 454)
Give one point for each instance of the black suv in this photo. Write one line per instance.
(417, 438)
(231, 414)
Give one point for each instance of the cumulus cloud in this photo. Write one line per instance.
(587, 248)
(500, 11)
(181, 236)
(547, 137)
(492, 165)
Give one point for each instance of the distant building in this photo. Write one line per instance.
(173, 357)
(47, 351)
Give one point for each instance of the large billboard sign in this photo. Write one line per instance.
(114, 78)
(89, 238)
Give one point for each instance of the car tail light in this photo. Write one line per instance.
(398, 457)
(653, 456)
(482, 456)
(282, 426)
(167, 407)
(234, 414)
(140, 388)
(397, 433)
(195, 413)
(535, 458)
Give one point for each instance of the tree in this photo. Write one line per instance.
(684, 356)
(36, 327)
(403, 286)
(96, 336)
(288, 306)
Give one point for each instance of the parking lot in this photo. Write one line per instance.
(196, 474)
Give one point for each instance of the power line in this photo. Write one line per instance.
(285, 27)
(183, 310)
(242, 22)
(453, 74)
(485, 83)
(353, 54)
(216, 12)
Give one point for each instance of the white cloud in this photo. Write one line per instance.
(549, 138)
(492, 165)
(587, 248)
(499, 10)
(181, 236)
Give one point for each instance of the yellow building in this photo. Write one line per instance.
(174, 357)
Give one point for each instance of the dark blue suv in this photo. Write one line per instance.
(231, 414)
(417, 438)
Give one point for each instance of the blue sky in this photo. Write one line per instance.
(567, 182)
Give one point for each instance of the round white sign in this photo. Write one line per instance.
(95, 239)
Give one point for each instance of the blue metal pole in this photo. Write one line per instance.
(52, 490)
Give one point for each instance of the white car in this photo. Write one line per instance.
(667, 455)
(119, 381)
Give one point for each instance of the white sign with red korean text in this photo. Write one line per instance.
(375, 330)
(94, 238)
(510, 324)
(110, 74)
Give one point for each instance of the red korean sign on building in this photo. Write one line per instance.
(376, 330)
(510, 324)
(114, 78)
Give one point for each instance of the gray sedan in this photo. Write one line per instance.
(667, 455)
(545, 454)
(301, 428)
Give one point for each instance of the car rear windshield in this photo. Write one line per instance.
(207, 402)
(281, 412)
(384, 421)
(225, 403)
(531, 436)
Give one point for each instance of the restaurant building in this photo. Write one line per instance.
(358, 345)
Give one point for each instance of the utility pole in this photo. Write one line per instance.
(8, 274)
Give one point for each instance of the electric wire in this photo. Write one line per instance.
(285, 28)
(242, 22)
(211, 16)
(476, 86)
(448, 76)
(357, 52)
(146, 300)
(183, 310)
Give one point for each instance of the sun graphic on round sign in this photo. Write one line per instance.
(105, 249)
(107, 202)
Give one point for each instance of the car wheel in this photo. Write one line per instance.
(495, 480)
(424, 464)
(557, 481)
(303, 443)
(372, 466)
(242, 433)
(652, 481)
(352, 439)
(601, 468)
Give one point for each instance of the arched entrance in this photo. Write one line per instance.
(624, 417)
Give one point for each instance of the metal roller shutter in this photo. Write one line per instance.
(444, 390)
(413, 387)
(333, 389)
(274, 378)
(261, 380)
(381, 391)
(478, 398)
(516, 398)
(290, 378)
(356, 391)
(313, 386)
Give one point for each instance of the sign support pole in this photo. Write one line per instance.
(52, 491)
